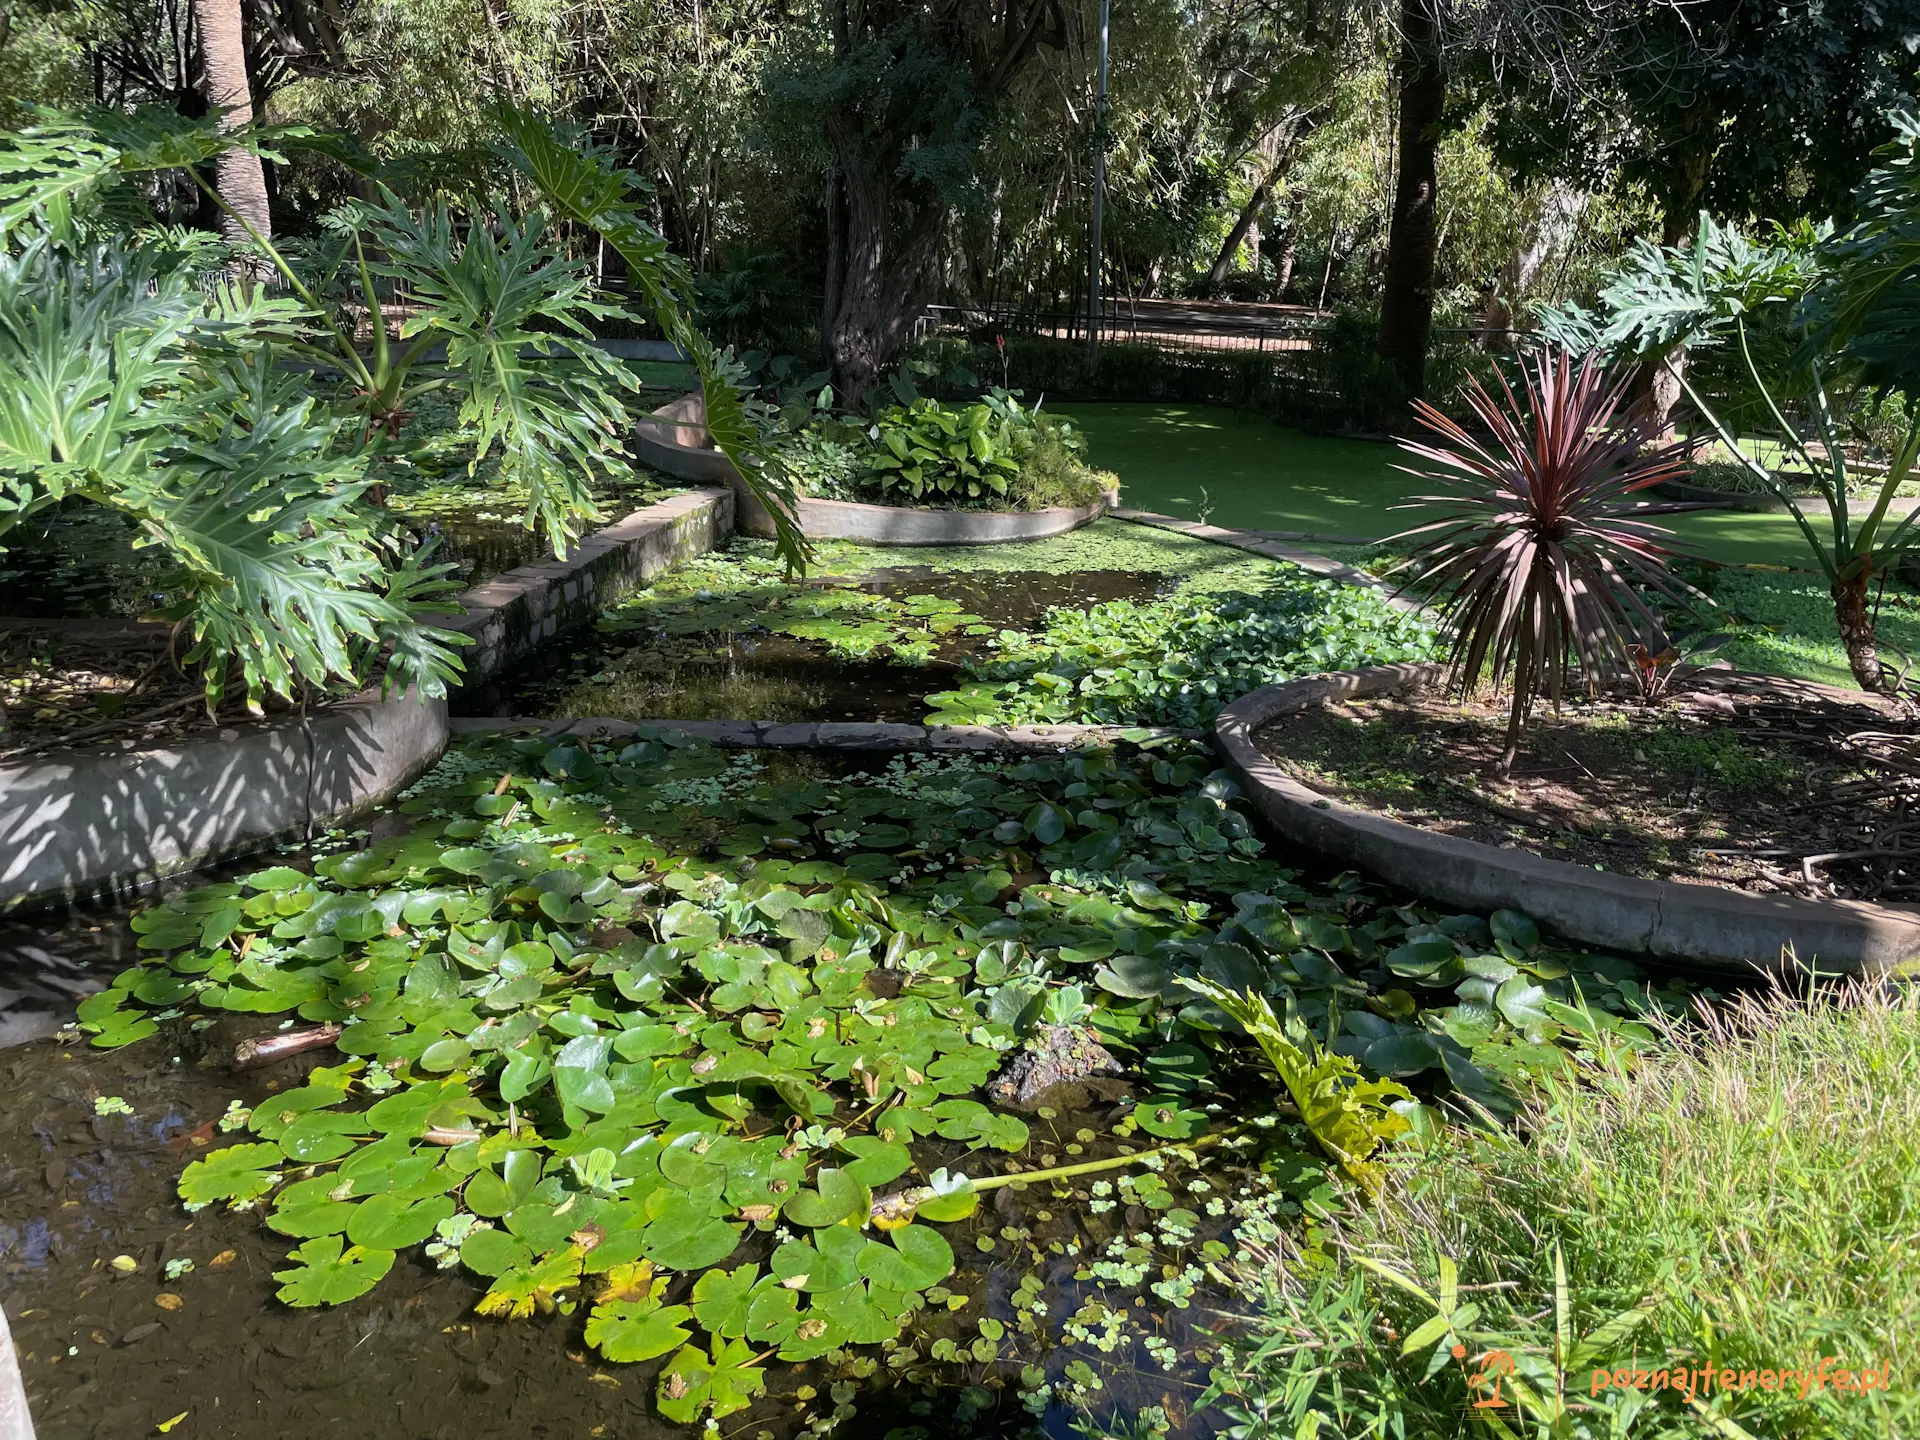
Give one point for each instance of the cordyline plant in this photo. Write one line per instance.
(1537, 564)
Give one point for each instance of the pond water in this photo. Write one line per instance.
(1100, 882)
(128, 1313)
(725, 656)
(106, 1355)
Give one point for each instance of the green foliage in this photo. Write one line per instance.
(925, 450)
(1615, 1232)
(1350, 1117)
(511, 310)
(584, 995)
(585, 184)
(124, 384)
(993, 454)
(1177, 661)
(1668, 296)
(1871, 299)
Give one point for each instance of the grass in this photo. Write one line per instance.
(1750, 1192)
(1243, 471)
(1259, 476)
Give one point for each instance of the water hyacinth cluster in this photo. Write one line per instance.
(1178, 660)
(715, 1079)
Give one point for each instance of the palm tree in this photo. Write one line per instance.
(223, 52)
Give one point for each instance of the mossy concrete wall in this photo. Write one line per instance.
(514, 614)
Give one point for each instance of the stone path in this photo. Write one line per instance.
(1276, 545)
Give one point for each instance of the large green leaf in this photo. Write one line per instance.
(585, 184)
(329, 1275)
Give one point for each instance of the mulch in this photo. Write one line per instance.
(1744, 782)
(97, 682)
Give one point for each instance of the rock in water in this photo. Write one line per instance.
(1053, 1055)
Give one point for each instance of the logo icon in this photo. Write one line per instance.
(1495, 1366)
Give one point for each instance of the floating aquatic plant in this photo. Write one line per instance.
(705, 1075)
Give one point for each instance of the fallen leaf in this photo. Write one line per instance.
(167, 1300)
(165, 1425)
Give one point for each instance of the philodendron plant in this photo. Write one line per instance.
(133, 376)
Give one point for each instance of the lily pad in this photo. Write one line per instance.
(329, 1274)
(716, 1382)
(387, 1222)
(912, 1258)
(841, 1196)
(239, 1172)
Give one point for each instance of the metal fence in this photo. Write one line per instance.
(1161, 324)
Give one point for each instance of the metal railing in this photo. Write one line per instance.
(1162, 324)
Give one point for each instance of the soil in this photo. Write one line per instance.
(97, 681)
(1763, 787)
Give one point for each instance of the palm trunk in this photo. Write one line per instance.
(1413, 244)
(1855, 619)
(240, 180)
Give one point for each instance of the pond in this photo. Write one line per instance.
(704, 909)
(730, 639)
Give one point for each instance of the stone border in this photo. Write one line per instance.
(513, 614)
(883, 736)
(674, 439)
(1720, 929)
(83, 823)
(1256, 542)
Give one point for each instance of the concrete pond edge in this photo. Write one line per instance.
(885, 737)
(674, 439)
(91, 822)
(1701, 925)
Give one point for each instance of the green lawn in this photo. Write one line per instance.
(1249, 473)
(1258, 476)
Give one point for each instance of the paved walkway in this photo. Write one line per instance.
(1277, 545)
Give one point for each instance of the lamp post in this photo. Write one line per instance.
(1099, 197)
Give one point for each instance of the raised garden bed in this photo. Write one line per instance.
(1402, 788)
(1708, 788)
(675, 440)
(130, 806)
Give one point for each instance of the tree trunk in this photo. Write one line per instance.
(223, 52)
(880, 273)
(1657, 386)
(1289, 251)
(1237, 236)
(1413, 244)
(1855, 619)
(1559, 210)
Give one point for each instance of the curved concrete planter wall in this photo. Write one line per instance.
(82, 823)
(1722, 929)
(674, 439)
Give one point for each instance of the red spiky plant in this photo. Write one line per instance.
(1537, 565)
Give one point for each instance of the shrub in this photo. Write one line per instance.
(1177, 661)
(1535, 562)
(993, 454)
